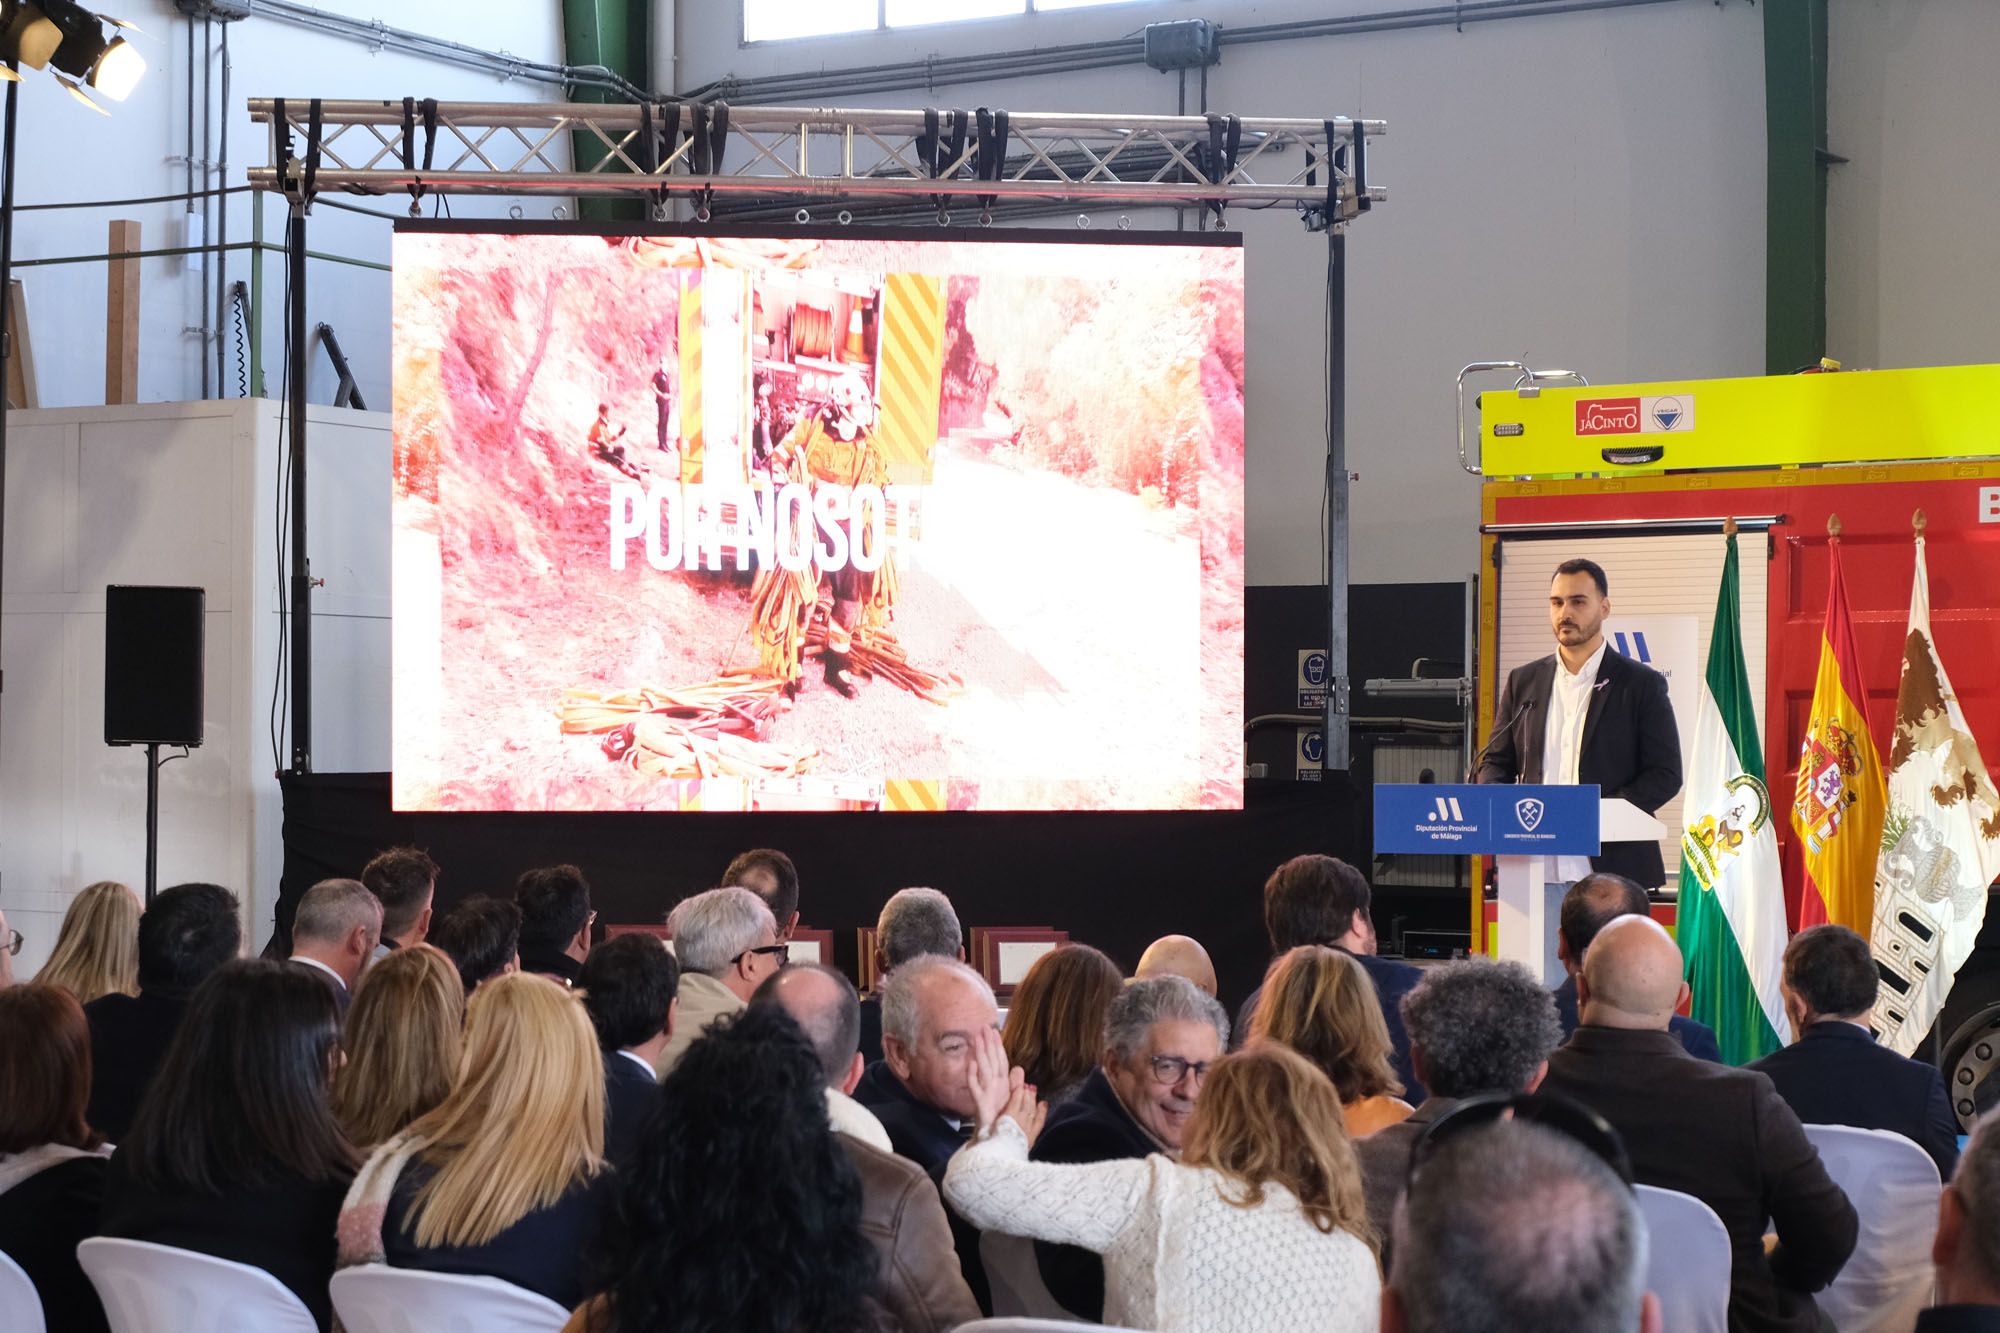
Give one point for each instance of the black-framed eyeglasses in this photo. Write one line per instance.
(1551, 1110)
(14, 943)
(781, 952)
(1171, 1069)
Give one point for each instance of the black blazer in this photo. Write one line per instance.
(629, 1096)
(41, 1221)
(1697, 1038)
(1631, 747)
(548, 1252)
(285, 1229)
(1092, 1126)
(1726, 1137)
(921, 1133)
(1835, 1074)
(127, 1038)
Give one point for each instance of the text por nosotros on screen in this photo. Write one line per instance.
(795, 527)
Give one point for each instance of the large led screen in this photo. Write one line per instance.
(895, 521)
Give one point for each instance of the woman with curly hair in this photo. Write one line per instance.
(1261, 1224)
(1320, 1002)
(740, 1209)
(1055, 1025)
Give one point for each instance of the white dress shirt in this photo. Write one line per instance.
(1562, 742)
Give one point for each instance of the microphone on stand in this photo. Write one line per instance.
(1480, 760)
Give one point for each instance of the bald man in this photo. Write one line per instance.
(1177, 956)
(1721, 1134)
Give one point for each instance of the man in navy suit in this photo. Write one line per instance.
(628, 984)
(1586, 715)
(1324, 900)
(1591, 904)
(1833, 1073)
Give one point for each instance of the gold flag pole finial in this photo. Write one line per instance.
(1729, 527)
(1833, 526)
(1919, 522)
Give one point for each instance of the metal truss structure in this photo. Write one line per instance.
(815, 153)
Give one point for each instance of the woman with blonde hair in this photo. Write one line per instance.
(402, 1040)
(1055, 1023)
(1260, 1224)
(1320, 1002)
(97, 949)
(506, 1177)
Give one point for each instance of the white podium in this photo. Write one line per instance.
(1531, 895)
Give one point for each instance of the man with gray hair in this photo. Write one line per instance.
(726, 943)
(1516, 1226)
(1477, 1025)
(1967, 1248)
(334, 934)
(914, 923)
(1160, 1037)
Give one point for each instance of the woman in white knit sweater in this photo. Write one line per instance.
(1259, 1226)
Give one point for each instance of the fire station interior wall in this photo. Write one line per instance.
(1576, 190)
(184, 493)
(1660, 584)
(1909, 277)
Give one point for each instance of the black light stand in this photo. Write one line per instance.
(152, 820)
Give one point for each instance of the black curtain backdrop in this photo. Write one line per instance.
(1116, 881)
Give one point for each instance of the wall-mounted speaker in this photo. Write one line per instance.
(152, 665)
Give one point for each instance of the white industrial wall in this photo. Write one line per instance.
(67, 152)
(1911, 103)
(182, 493)
(1583, 190)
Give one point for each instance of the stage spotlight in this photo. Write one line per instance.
(27, 34)
(110, 65)
(118, 70)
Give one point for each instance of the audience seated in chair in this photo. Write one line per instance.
(483, 936)
(1260, 1225)
(1967, 1249)
(727, 943)
(913, 923)
(1476, 1026)
(1721, 1134)
(1177, 956)
(1055, 1020)
(334, 933)
(1591, 904)
(555, 921)
(628, 986)
(234, 1152)
(97, 948)
(51, 1161)
(1833, 1073)
(1512, 1226)
(921, 1285)
(402, 1043)
(404, 881)
(1160, 1037)
(770, 874)
(1323, 900)
(742, 1209)
(188, 932)
(506, 1178)
(1319, 1002)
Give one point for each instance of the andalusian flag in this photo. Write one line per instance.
(1732, 898)
(1837, 807)
(1940, 840)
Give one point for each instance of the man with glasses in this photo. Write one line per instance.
(727, 943)
(555, 921)
(1160, 1037)
(1723, 1135)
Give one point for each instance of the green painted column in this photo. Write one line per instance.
(616, 34)
(1795, 172)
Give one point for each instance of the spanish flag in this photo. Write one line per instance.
(1838, 805)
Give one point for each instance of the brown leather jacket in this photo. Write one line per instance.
(904, 1220)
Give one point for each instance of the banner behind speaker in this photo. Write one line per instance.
(153, 665)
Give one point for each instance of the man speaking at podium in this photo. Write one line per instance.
(1585, 715)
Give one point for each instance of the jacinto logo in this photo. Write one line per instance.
(1607, 416)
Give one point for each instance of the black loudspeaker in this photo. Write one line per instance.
(152, 665)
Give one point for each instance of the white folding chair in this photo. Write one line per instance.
(1015, 1278)
(149, 1288)
(378, 1299)
(1893, 1185)
(20, 1303)
(1687, 1260)
(1011, 1324)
